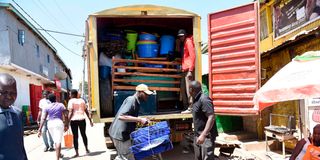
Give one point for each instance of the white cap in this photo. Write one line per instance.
(144, 88)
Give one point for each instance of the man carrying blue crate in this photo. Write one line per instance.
(204, 123)
(125, 122)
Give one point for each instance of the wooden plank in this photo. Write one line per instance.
(146, 61)
(158, 59)
(150, 88)
(156, 117)
(153, 59)
(146, 80)
(149, 69)
(146, 74)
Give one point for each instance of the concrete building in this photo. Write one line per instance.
(28, 56)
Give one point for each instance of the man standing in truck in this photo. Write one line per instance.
(125, 122)
(188, 54)
(204, 123)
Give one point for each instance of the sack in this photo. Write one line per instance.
(68, 139)
(312, 153)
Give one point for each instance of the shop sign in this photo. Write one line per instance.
(313, 102)
(290, 15)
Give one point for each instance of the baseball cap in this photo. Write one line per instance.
(182, 32)
(144, 88)
(45, 92)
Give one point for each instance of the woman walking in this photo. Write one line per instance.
(56, 113)
(77, 110)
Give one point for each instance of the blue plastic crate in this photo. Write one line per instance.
(151, 130)
(151, 140)
(152, 147)
(145, 137)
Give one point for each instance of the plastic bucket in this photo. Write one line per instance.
(147, 36)
(104, 72)
(147, 50)
(132, 39)
(167, 44)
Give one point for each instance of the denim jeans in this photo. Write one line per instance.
(46, 134)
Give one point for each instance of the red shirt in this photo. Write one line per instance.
(189, 55)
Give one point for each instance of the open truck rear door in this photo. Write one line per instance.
(234, 59)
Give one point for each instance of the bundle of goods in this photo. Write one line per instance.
(112, 43)
(147, 46)
(151, 140)
(111, 35)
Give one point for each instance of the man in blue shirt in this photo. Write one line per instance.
(11, 129)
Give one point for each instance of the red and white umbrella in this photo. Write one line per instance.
(299, 79)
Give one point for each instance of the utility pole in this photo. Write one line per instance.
(84, 70)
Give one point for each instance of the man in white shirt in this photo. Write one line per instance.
(43, 103)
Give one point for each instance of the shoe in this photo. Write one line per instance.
(188, 111)
(61, 155)
(51, 149)
(45, 149)
(87, 150)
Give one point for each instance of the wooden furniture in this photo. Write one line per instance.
(121, 78)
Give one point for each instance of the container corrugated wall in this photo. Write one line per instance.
(234, 59)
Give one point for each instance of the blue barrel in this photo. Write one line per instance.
(104, 72)
(167, 44)
(147, 36)
(148, 50)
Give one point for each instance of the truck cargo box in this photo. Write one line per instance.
(139, 19)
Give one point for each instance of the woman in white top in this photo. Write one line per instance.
(77, 110)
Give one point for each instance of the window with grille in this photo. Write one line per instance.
(38, 50)
(21, 37)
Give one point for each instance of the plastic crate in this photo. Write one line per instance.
(151, 140)
(151, 147)
(156, 129)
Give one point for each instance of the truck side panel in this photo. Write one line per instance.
(93, 68)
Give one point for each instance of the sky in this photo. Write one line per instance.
(70, 15)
